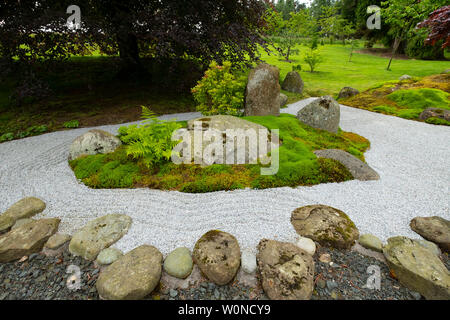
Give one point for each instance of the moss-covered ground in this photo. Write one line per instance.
(406, 99)
(297, 164)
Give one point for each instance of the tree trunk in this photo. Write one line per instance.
(129, 54)
(394, 50)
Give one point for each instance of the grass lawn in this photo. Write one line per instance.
(363, 72)
(85, 91)
(298, 165)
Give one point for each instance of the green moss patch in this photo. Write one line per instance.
(297, 164)
(406, 99)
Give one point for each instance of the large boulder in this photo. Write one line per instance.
(322, 113)
(22, 209)
(27, 239)
(133, 276)
(293, 82)
(99, 234)
(179, 263)
(326, 225)
(262, 92)
(218, 256)
(417, 268)
(93, 142)
(286, 271)
(435, 229)
(222, 123)
(359, 170)
(435, 113)
(347, 92)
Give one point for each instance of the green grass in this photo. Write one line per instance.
(421, 98)
(406, 99)
(298, 165)
(363, 72)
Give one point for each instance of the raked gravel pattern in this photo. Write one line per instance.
(412, 158)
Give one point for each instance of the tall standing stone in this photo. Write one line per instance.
(263, 91)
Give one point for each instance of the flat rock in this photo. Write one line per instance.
(218, 256)
(99, 234)
(322, 113)
(429, 246)
(27, 239)
(293, 82)
(133, 276)
(263, 91)
(93, 142)
(418, 268)
(57, 240)
(347, 92)
(286, 271)
(179, 263)
(359, 170)
(24, 208)
(108, 256)
(326, 225)
(369, 241)
(21, 222)
(434, 229)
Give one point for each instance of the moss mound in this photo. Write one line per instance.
(297, 165)
(406, 99)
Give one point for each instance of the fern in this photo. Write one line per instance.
(150, 142)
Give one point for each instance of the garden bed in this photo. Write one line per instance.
(298, 164)
(406, 99)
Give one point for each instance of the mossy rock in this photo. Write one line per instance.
(285, 270)
(326, 225)
(218, 256)
(417, 268)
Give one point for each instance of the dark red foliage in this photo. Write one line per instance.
(439, 24)
(203, 29)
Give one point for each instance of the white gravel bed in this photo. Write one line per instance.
(412, 159)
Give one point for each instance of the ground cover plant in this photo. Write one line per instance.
(406, 99)
(298, 164)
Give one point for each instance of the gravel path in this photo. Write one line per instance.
(412, 159)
